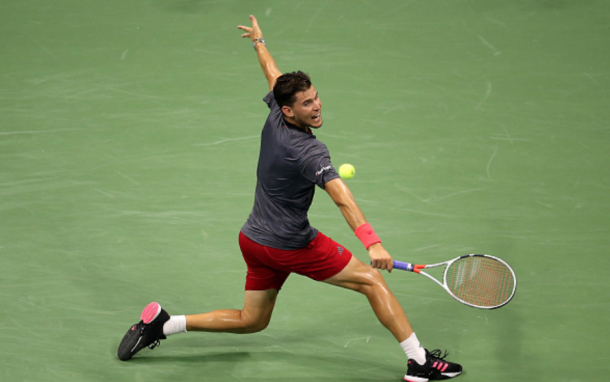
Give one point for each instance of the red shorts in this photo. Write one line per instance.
(268, 268)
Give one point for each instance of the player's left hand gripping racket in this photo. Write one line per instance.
(480, 281)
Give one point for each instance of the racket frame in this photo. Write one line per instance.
(418, 268)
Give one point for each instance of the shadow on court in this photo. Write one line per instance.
(200, 359)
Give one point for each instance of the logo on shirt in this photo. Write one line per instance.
(322, 170)
(340, 249)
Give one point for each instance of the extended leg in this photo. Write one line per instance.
(369, 281)
(254, 317)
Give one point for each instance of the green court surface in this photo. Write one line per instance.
(128, 147)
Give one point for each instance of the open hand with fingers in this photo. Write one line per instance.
(270, 69)
(253, 32)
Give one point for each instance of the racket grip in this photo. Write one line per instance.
(403, 266)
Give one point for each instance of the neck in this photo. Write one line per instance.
(292, 122)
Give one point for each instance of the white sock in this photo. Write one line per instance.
(175, 324)
(413, 349)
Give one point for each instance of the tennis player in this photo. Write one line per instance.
(278, 240)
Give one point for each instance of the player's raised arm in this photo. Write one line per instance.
(264, 57)
(343, 198)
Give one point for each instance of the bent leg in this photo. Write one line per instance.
(369, 281)
(254, 317)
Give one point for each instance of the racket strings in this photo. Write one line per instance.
(480, 281)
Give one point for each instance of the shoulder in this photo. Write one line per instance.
(309, 146)
(271, 102)
(275, 119)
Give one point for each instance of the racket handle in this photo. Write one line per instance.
(403, 266)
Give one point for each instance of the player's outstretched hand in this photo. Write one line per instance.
(253, 32)
(380, 258)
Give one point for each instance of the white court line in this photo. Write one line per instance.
(37, 131)
(227, 140)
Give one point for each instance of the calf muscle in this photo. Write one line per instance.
(254, 317)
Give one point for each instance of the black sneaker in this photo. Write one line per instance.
(146, 333)
(435, 368)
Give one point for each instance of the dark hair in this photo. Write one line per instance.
(287, 85)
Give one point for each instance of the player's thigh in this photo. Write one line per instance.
(357, 276)
(258, 305)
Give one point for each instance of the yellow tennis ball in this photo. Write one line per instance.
(347, 171)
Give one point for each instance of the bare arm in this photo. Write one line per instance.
(343, 198)
(267, 62)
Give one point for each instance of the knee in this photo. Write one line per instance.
(255, 325)
(372, 281)
(375, 276)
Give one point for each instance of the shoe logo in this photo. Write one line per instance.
(441, 366)
(136, 345)
(340, 249)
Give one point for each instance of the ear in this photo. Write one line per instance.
(287, 111)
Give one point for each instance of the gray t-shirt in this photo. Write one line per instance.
(290, 165)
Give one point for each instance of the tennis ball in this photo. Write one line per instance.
(347, 171)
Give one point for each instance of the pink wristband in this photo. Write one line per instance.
(367, 235)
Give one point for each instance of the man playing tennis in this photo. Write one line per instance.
(277, 238)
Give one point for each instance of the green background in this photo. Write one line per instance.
(128, 147)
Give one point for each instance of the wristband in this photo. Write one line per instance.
(256, 41)
(367, 235)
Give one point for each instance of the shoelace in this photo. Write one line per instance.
(143, 330)
(154, 344)
(438, 354)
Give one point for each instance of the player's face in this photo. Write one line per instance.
(306, 110)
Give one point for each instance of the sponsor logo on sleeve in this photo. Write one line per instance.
(323, 169)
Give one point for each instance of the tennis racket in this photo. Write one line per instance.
(480, 281)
